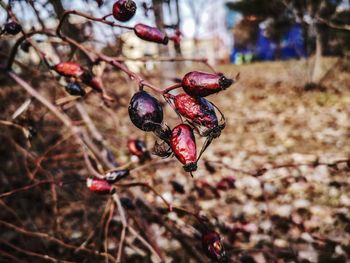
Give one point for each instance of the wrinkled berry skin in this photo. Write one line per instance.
(213, 247)
(151, 34)
(183, 145)
(12, 28)
(69, 69)
(145, 111)
(201, 84)
(74, 89)
(99, 186)
(124, 10)
(199, 110)
(117, 175)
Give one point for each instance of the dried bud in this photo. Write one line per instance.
(12, 28)
(213, 247)
(99, 186)
(117, 175)
(151, 34)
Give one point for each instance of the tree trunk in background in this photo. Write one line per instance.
(178, 23)
(159, 19)
(70, 30)
(317, 70)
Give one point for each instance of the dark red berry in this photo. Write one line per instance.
(183, 145)
(99, 186)
(151, 34)
(198, 110)
(213, 247)
(90, 80)
(138, 147)
(177, 187)
(117, 175)
(74, 89)
(25, 46)
(124, 10)
(127, 203)
(145, 111)
(69, 69)
(12, 28)
(201, 84)
(226, 183)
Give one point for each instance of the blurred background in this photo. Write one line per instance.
(275, 184)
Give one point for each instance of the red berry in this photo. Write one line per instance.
(69, 69)
(124, 10)
(99, 186)
(201, 84)
(151, 34)
(183, 145)
(199, 110)
(213, 247)
(92, 81)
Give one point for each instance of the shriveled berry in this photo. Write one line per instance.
(198, 110)
(69, 69)
(124, 10)
(202, 84)
(151, 34)
(74, 89)
(99, 186)
(117, 175)
(145, 111)
(89, 79)
(213, 247)
(138, 147)
(12, 28)
(183, 145)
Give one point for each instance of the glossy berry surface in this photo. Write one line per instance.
(198, 110)
(12, 28)
(151, 34)
(183, 145)
(212, 246)
(145, 111)
(202, 84)
(124, 10)
(69, 69)
(117, 175)
(74, 89)
(99, 186)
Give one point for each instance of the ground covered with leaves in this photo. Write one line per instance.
(283, 152)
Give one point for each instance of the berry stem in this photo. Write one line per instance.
(175, 86)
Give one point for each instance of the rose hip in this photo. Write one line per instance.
(213, 247)
(145, 111)
(99, 186)
(199, 110)
(183, 145)
(124, 10)
(151, 34)
(201, 84)
(69, 69)
(138, 147)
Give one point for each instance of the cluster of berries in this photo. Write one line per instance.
(146, 113)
